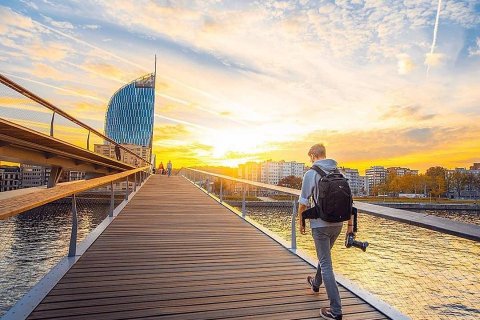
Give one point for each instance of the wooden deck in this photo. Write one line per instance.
(175, 253)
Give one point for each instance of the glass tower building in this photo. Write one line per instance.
(130, 114)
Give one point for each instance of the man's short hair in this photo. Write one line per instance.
(317, 151)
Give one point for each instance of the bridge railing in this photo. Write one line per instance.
(23, 107)
(423, 265)
(123, 184)
(50, 229)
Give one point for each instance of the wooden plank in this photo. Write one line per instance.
(165, 258)
(21, 203)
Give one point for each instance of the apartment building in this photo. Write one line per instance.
(399, 171)
(34, 176)
(376, 175)
(10, 178)
(274, 171)
(355, 181)
(109, 150)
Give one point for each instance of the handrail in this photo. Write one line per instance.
(27, 93)
(295, 192)
(456, 228)
(21, 203)
(32, 142)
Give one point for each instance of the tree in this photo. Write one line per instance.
(291, 182)
(459, 181)
(436, 181)
(471, 184)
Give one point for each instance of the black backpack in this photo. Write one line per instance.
(334, 198)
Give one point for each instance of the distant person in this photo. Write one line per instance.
(117, 152)
(324, 233)
(161, 168)
(169, 168)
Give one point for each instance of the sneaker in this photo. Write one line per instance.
(310, 282)
(325, 313)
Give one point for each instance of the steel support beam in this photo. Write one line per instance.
(55, 174)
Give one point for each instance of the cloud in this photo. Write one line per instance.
(106, 69)
(58, 24)
(14, 24)
(171, 132)
(44, 71)
(419, 147)
(405, 64)
(280, 70)
(475, 50)
(91, 26)
(409, 113)
(434, 59)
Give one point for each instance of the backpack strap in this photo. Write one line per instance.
(319, 171)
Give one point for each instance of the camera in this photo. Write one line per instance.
(351, 242)
(350, 237)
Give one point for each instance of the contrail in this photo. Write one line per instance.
(111, 54)
(184, 122)
(54, 87)
(90, 45)
(435, 30)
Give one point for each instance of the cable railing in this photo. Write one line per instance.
(91, 206)
(422, 265)
(21, 106)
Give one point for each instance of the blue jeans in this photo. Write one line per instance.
(324, 238)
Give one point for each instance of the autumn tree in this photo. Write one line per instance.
(291, 182)
(436, 181)
(459, 181)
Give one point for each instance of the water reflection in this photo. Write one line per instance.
(35, 241)
(425, 274)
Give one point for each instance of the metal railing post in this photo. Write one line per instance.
(221, 191)
(294, 228)
(207, 185)
(112, 200)
(51, 124)
(244, 209)
(126, 191)
(88, 140)
(194, 182)
(72, 251)
(135, 182)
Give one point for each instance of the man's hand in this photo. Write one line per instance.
(301, 225)
(349, 228)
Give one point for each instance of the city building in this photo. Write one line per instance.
(130, 113)
(34, 176)
(476, 166)
(269, 172)
(76, 175)
(463, 183)
(355, 181)
(108, 150)
(376, 176)
(250, 171)
(399, 171)
(274, 171)
(366, 185)
(10, 178)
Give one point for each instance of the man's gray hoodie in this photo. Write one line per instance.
(310, 181)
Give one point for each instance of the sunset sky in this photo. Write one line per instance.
(245, 81)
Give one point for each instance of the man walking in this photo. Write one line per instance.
(169, 167)
(324, 233)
